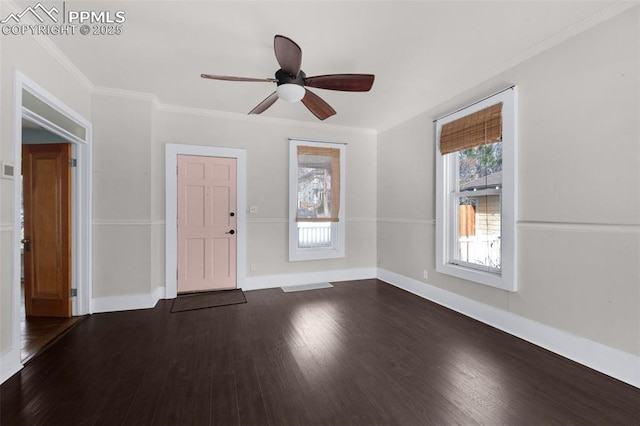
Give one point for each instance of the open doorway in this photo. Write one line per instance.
(37, 109)
(46, 238)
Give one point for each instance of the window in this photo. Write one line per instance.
(476, 192)
(316, 200)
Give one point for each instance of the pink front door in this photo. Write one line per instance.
(206, 223)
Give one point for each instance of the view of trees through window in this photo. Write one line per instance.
(479, 205)
(478, 162)
(314, 192)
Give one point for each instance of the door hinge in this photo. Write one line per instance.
(176, 274)
(73, 292)
(73, 162)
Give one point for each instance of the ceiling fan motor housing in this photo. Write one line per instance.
(286, 78)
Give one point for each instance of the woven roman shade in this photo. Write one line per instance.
(332, 156)
(480, 128)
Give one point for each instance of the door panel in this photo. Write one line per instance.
(206, 223)
(47, 229)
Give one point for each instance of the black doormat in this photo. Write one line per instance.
(212, 299)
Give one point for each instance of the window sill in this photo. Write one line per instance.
(315, 254)
(481, 277)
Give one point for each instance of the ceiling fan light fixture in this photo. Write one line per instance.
(290, 92)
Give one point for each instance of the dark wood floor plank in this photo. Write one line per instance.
(111, 398)
(251, 408)
(360, 353)
(162, 379)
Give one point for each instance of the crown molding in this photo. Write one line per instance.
(53, 50)
(203, 112)
(46, 43)
(179, 109)
(607, 12)
(128, 94)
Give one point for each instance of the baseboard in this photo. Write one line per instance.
(159, 293)
(127, 302)
(145, 301)
(612, 362)
(272, 281)
(9, 364)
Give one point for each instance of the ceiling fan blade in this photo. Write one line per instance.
(342, 82)
(317, 106)
(264, 105)
(232, 78)
(288, 54)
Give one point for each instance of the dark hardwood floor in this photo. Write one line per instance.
(360, 353)
(36, 333)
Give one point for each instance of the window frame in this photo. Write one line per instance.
(337, 249)
(446, 215)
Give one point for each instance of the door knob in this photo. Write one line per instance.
(231, 232)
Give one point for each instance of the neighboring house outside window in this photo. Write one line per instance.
(316, 203)
(476, 192)
(480, 221)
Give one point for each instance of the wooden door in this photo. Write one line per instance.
(46, 174)
(207, 220)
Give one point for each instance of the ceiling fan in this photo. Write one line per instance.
(292, 81)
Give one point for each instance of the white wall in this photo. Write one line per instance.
(579, 189)
(130, 132)
(123, 129)
(266, 142)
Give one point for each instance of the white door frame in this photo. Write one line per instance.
(81, 198)
(171, 209)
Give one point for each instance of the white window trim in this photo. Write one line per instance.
(445, 176)
(338, 228)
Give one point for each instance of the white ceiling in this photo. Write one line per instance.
(422, 52)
